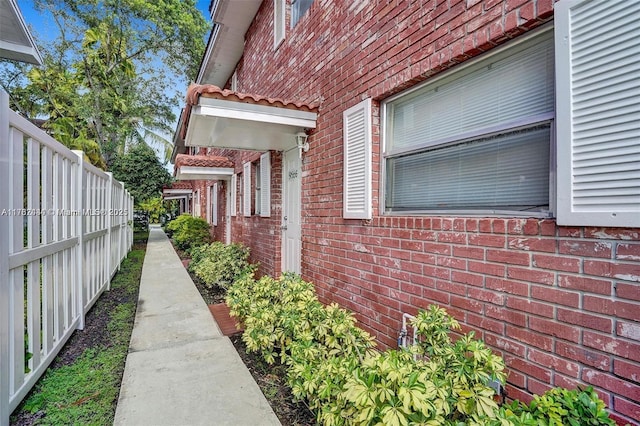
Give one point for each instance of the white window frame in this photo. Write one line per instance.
(246, 191)
(258, 198)
(214, 204)
(234, 81)
(296, 16)
(471, 64)
(233, 203)
(209, 209)
(196, 204)
(279, 22)
(264, 201)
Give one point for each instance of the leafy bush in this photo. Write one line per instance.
(220, 264)
(155, 208)
(188, 231)
(560, 407)
(436, 382)
(333, 366)
(320, 344)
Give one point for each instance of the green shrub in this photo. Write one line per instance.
(220, 264)
(436, 382)
(321, 345)
(333, 366)
(188, 231)
(560, 407)
(155, 208)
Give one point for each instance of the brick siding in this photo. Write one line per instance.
(560, 304)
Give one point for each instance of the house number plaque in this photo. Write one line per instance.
(293, 174)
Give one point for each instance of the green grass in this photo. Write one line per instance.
(86, 392)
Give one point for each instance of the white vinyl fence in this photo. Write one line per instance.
(65, 226)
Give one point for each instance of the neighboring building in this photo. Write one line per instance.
(16, 42)
(480, 155)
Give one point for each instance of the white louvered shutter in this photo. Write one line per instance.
(208, 205)
(598, 112)
(246, 191)
(356, 135)
(265, 185)
(279, 8)
(234, 195)
(214, 204)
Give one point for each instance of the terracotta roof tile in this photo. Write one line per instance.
(210, 91)
(202, 161)
(195, 91)
(182, 184)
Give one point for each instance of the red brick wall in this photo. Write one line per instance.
(561, 305)
(261, 235)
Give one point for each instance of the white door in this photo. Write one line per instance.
(291, 241)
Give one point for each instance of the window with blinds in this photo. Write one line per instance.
(477, 139)
(298, 9)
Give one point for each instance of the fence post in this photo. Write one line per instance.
(79, 202)
(122, 230)
(4, 260)
(109, 224)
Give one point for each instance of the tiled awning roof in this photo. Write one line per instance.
(202, 161)
(197, 167)
(225, 119)
(179, 185)
(195, 91)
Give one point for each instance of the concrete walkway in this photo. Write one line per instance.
(180, 369)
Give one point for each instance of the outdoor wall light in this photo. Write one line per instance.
(301, 142)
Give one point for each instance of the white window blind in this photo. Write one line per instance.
(509, 89)
(478, 139)
(357, 161)
(598, 110)
(234, 195)
(214, 204)
(504, 172)
(278, 22)
(265, 185)
(298, 9)
(246, 191)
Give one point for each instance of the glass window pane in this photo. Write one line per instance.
(298, 9)
(504, 172)
(496, 93)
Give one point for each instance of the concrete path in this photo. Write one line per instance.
(180, 369)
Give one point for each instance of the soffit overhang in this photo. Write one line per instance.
(177, 190)
(16, 42)
(226, 119)
(231, 20)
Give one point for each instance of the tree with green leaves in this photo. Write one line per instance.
(108, 80)
(141, 171)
